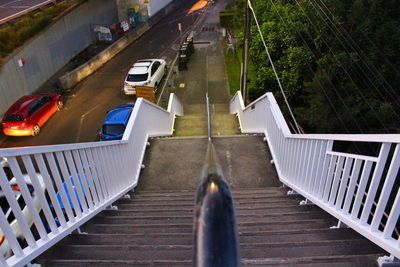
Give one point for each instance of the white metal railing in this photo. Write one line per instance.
(101, 173)
(351, 187)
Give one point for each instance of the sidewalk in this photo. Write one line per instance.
(206, 73)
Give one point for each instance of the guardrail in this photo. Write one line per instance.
(27, 10)
(99, 173)
(356, 189)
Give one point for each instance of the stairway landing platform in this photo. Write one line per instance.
(176, 163)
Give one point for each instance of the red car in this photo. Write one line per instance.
(29, 113)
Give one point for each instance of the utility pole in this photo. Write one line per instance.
(245, 57)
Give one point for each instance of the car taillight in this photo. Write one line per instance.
(15, 188)
(1, 239)
(125, 83)
(100, 135)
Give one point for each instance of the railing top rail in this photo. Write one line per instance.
(213, 198)
(21, 151)
(56, 175)
(377, 138)
(152, 104)
(171, 100)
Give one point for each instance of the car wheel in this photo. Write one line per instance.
(60, 105)
(165, 70)
(35, 130)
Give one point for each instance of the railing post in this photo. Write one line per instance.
(387, 188)
(383, 154)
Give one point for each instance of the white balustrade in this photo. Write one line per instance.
(359, 190)
(87, 177)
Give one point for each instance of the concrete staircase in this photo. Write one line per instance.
(154, 227)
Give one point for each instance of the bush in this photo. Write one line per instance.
(13, 36)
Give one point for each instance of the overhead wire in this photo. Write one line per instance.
(342, 39)
(344, 70)
(362, 52)
(351, 67)
(318, 80)
(337, 93)
(273, 67)
(311, 70)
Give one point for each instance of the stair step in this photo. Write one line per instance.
(326, 261)
(238, 201)
(108, 263)
(237, 198)
(184, 252)
(239, 205)
(303, 235)
(130, 239)
(187, 227)
(315, 261)
(187, 217)
(309, 249)
(165, 210)
(238, 191)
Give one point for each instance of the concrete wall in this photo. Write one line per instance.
(70, 79)
(149, 9)
(51, 50)
(156, 5)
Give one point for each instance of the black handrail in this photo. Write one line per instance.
(215, 231)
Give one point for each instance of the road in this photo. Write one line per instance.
(84, 112)
(11, 8)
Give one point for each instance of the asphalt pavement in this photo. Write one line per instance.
(11, 8)
(86, 107)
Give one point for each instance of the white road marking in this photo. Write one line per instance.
(81, 122)
(9, 3)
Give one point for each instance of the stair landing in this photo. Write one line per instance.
(179, 161)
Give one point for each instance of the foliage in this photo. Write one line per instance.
(14, 35)
(338, 61)
(232, 63)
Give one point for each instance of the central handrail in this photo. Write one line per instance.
(215, 231)
(208, 117)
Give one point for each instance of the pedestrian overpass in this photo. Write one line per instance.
(358, 193)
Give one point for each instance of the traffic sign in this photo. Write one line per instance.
(146, 92)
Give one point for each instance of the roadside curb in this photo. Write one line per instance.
(73, 77)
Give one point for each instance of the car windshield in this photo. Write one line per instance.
(136, 77)
(113, 129)
(13, 117)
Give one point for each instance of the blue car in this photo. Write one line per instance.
(115, 123)
(70, 203)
